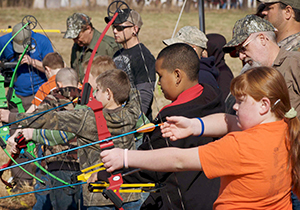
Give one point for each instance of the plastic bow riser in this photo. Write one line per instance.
(98, 187)
(3, 145)
(85, 174)
(27, 150)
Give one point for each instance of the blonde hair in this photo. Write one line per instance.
(67, 76)
(100, 64)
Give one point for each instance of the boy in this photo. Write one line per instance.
(62, 166)
(119, 119)
(52, 63)
(177, 67)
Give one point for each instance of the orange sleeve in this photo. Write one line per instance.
(220, 158)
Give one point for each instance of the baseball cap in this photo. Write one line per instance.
(129, 15)
(293, 3)
(189, 34)
(20, 37)
(75, 23)
(244, 27)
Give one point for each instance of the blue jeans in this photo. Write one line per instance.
(42, 200)
(65, 198)
(133, 205)
(295, 201)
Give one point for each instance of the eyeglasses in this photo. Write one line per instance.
(243, 47)
(121, 28)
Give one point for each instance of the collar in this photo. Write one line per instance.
(187, 95)
(280, 57)
(290, 42)
(69, 92)
(94, 40)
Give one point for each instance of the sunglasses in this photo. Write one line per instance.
(121, 28)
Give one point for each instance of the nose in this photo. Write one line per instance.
(235, 107)
(242, 56)
(264, 12)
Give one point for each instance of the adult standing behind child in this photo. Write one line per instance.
(191, 35)
(215, 48)
(134, 58)
(52, 63)
(85, 37)
(30, 74)
(258, 164)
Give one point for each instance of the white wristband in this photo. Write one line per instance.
(126, 158)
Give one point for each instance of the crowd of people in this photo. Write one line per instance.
(223, 142)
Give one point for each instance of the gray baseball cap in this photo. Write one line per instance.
(133, 17)
(293, 3)
(189, 34)
(244, 27)
(18, 41)
(75, 23)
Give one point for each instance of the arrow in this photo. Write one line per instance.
(144, 130)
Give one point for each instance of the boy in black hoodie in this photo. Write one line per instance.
(177, 66)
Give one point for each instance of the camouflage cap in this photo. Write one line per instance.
(244, 27)
(20, 37)
(75, 23)
(293, 3)
(190, 35)
(133, 17)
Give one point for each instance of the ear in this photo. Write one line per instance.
(177, 73)
(263, 39)
(47, 69)
(59, 84)
(204, 54)
(109, 94)
(135, 30)
(265, 106)
(288, 12)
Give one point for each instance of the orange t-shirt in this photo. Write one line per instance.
(253, 168)
(44, 90)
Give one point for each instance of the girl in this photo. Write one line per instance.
(255, 162)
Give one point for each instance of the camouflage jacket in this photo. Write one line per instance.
(61, 139)
(82, 122)
(290, 43)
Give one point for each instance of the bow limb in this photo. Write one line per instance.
(5, 134)
(43, 190)
(3, 145)
(75, 148)
(13, 37)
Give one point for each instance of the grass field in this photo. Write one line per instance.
(158, 25)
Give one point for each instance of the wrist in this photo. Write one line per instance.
(199, 128)
(125, 158)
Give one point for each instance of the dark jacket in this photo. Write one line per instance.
(215, 48)
(208, 73)
(197, 191)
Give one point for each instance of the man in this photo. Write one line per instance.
(255, 40)
(134, 58)
(285, 17)
(191, 35)
(85, 37)
(30, 74)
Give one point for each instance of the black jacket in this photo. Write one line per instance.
(197, 191)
